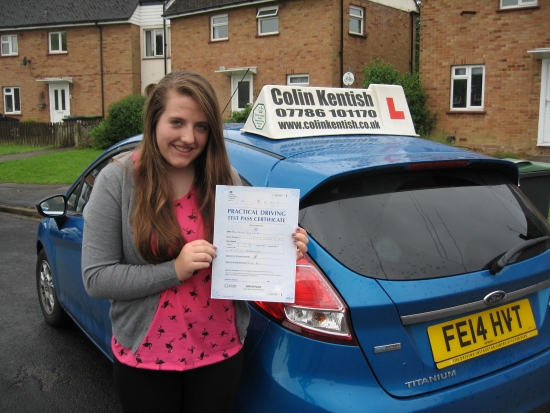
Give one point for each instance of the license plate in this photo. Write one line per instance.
(472, 336)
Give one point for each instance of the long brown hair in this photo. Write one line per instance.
(156, 231)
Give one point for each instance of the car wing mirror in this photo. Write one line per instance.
(53, 207)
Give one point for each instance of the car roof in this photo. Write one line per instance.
(325, 157)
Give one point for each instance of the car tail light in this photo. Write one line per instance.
(318, 312)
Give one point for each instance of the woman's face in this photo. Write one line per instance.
(182, 131)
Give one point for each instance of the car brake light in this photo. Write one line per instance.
(318, 312)
(437, 165)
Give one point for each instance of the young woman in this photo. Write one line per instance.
(147, 248)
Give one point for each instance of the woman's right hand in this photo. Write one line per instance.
(195, 255)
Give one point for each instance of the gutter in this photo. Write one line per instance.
(61, 25)
(219, 8)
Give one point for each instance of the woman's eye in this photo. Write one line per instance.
(203, 127)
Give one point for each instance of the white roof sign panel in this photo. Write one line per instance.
(283, 112)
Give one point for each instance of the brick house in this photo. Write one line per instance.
(297, 42)
(486, 67)
(61, 58)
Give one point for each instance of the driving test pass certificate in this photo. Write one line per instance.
(256, 255)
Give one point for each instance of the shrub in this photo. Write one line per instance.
(99, 136)
(240, 116)
(125, 119)
(380, 72)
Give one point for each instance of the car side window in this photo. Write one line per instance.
(80, 196)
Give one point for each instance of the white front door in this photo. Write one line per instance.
(60, 105)
(243, 96)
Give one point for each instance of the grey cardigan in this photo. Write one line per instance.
(112, 267)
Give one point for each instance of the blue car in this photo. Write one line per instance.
(426, 287)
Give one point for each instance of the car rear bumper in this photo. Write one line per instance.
(290, 373)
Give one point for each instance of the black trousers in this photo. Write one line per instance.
(208, 389)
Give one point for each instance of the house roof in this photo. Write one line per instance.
(36, 13)
(179, 7)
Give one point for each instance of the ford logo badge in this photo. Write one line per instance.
(494, 297)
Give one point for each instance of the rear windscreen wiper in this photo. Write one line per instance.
(500, 263)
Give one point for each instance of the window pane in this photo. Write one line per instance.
(14, 48)
(56, 99)
(355, 12)
(5, 48)
(62, 92)
(64, 41)
(54, 41)
(219, 19)
(507, 3)
(17, 102)
(299, 79)
(159, 43)
(148, 43)
(244, 94)
(461, 71)
(354, 25)
(459, 93)
(268, 12)
(477, 86)
(269, 25)
(221, 32)
(8, 103)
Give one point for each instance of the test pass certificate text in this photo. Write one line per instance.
(256, 255)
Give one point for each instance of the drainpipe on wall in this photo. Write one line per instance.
(341, 43)
(101, 70)
(164, 35)
(413, 40)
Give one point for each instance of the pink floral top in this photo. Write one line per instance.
(189, 329)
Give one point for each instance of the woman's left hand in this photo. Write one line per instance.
(300, 239)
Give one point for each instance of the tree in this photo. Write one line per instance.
(381, 72)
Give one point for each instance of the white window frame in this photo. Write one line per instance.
(59, 42)
(214, 26)
(297, 79)
(468, 77)
(520, 3)
(267, 14)
(152, 33)
(11, 93)
(9, 41)
(357, 14)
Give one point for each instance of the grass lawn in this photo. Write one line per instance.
(11, 149)
(53, 168)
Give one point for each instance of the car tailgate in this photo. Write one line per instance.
(433, 341)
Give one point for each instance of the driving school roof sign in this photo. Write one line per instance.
(282, 112)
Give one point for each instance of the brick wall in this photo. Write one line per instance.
(308, 42)
(121, 62)
(499, 40)
(387, 36)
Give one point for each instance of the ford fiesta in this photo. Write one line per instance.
(426, 287)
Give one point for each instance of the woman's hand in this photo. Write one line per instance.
(195, 255)
(300, 239)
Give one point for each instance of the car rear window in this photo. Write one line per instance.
(422, 224)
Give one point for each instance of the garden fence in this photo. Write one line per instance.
(60, 135)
